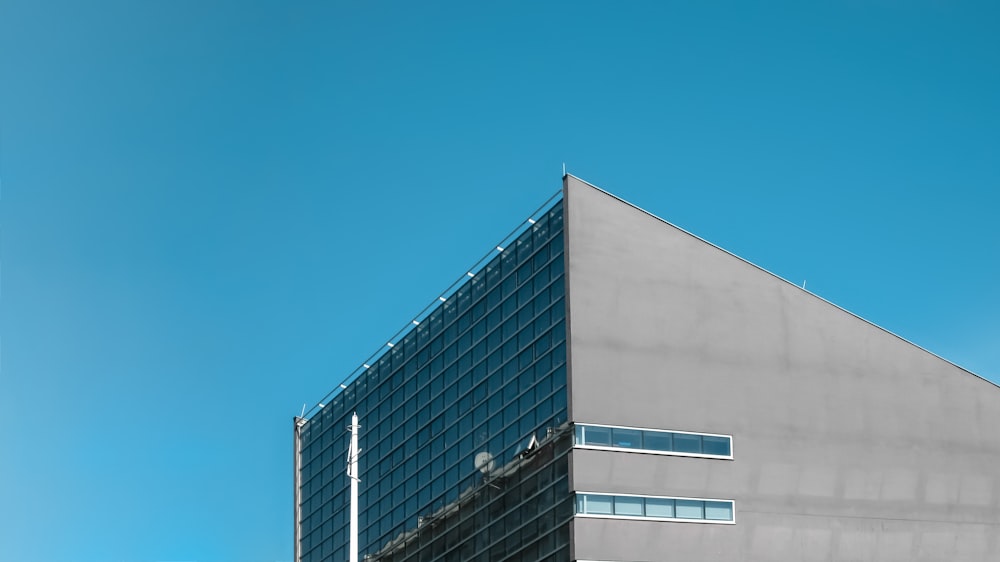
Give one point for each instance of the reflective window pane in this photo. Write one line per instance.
(627, 505)
(657, 441)
(686, 443)
(597, 435)
(690, 509)
(659, 507)
(654, 440)
(601, 505)
(631, 438)
(715, 445)
(719, 511)
(655, 507)
(441, 387)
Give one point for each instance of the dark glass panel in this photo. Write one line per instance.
(685, 443)
(629, 438)
(715, 445)
(401, 412)
(657, 441)
(594, 435)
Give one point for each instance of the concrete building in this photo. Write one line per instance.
(608, 387)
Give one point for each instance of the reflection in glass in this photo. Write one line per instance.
(598, 504)
(720, 511)
(631, 438)
(715, 445)
(657, 441)
(416, 437)
(597, 435)
(654, 507)
(690, 509)
(653, 440)
(659, 507)
(686, 443)
(628, 505)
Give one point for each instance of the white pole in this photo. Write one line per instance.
(299, 422)
(352, 473)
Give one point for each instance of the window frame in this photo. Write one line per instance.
(612, 447)
(675, 519)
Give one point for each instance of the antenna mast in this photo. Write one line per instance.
(352, 473)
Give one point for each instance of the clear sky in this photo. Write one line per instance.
(211, 212)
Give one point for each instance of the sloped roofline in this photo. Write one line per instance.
(452, 289)
(780, 278)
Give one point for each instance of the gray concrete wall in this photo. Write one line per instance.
(849, 443)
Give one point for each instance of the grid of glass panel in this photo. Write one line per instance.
(655, 507)
(483, 372)
(650, 440)
(518, 512)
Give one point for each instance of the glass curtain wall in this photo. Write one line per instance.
(483, 372)
(517, 513)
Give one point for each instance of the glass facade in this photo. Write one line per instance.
(518, 512)
(483, 372)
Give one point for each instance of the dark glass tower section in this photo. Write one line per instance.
(484, 372)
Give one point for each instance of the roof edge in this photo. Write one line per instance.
(780, 278)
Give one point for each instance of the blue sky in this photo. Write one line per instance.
(212, 212)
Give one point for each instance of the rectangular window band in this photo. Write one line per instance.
(682, 443)
(655, 507)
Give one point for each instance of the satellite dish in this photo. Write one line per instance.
(484, 462)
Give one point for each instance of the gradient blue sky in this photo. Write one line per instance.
(213, 211)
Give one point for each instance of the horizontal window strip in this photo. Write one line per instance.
(683, 443)
(655, 507)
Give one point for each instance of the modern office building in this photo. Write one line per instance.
(607, 387)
